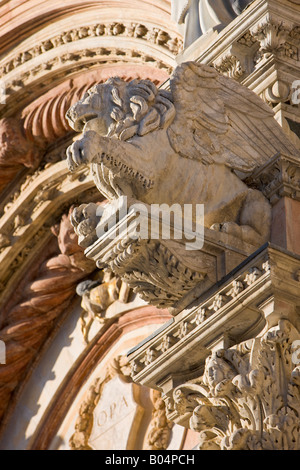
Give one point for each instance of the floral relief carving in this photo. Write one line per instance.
(272, 36)
(153, 35)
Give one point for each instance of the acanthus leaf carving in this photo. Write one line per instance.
(272, 36)
(246, 399)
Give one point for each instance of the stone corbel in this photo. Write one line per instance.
(162, 271)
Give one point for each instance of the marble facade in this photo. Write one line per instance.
(95, 359)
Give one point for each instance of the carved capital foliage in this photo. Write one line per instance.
(265, 56)
(164, 281)
(230, 66)
(248, 398)
(272, 35)
(278, 178)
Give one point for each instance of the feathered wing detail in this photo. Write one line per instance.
(220, 121)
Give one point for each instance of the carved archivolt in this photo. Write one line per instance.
(46, 294)
(150, 34)
(28, 213)
(98, 44)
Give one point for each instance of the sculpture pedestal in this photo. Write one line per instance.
(163, 272)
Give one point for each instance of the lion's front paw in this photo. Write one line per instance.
(84, 220)
(76, 155)
(231, 228)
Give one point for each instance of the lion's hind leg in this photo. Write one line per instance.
(254, 221)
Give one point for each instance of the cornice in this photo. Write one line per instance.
(229, 315)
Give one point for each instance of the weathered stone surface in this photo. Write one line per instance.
(126, 125)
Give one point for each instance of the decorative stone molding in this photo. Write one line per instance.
(191, 325)
(272, 35)
(261, 51)
(230, 66)
(150, 34)
(241, 334)
(163, 272)
(236, 310)
(38, 66)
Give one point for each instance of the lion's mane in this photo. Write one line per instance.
(138, 108)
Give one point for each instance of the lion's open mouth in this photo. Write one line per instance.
(128, 173)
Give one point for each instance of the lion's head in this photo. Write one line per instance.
(123, 110)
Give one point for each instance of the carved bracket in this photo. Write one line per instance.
(163, 272)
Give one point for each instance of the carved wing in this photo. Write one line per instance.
(220, 121)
